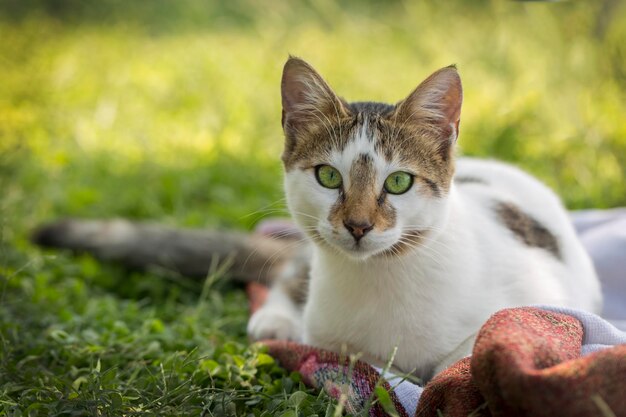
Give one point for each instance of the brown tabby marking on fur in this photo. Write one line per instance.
(297, 285)
(527, 229)
(315, 145)
(361, 202)
(470, 180)
(419, 154)
(432, 185)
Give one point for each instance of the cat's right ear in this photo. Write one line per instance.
(435, 106)
(307, 98)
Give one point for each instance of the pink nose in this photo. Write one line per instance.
(358, 229)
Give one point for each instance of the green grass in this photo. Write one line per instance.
(171, 112)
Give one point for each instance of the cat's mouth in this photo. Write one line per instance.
(382, 246)
(356, 249)
(359, 251)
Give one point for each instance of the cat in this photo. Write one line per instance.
(410, 248)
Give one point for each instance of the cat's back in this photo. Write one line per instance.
(501, 180)
(516, 199)
(505, 200)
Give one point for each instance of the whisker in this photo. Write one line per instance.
(268, 206)
(306, 215)
(274, 258)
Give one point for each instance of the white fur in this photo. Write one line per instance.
(278, 319)
(431, 301)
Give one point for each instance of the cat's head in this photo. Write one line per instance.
(368, 179)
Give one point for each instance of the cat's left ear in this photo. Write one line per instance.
(307, 99)
(435, 105)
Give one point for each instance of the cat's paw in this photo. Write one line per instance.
(275, 323)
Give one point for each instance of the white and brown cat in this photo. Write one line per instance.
(410, 247)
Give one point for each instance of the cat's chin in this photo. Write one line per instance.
(345, 246)
(352, 251)
(358, 253)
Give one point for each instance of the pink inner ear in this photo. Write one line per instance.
(301, 85)
(437, 100)
(305, 95)
(292, 87)
(453, 100)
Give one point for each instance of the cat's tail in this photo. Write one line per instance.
(187, 251)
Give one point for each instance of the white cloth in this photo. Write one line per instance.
(603, 233)
(598, 333)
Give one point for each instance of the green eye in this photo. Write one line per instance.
(328, 176)
(398, 182)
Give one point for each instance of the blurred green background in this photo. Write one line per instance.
(170, 111)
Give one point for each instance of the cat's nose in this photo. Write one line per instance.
(358, 229)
